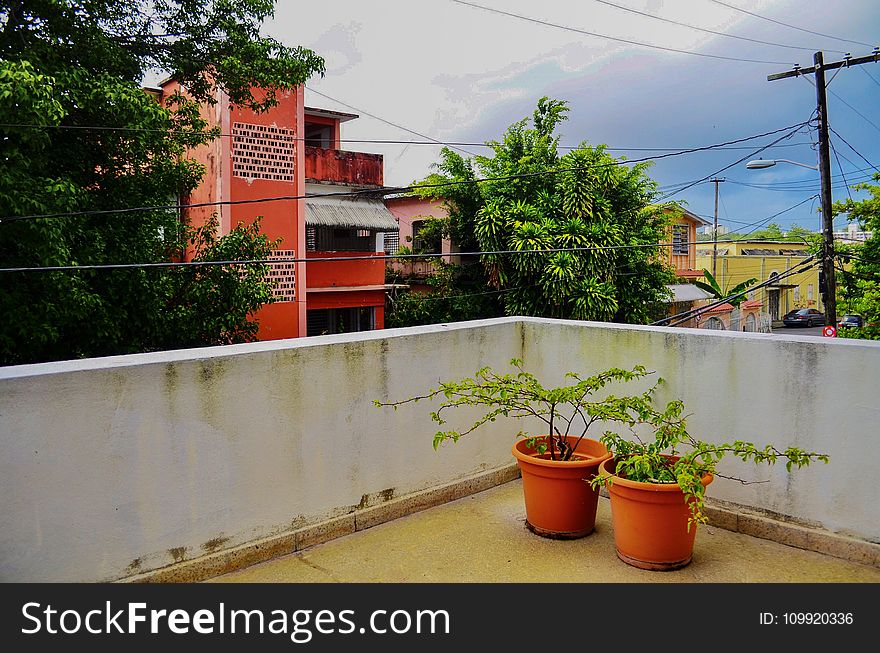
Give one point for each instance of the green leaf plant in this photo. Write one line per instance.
(657, 449)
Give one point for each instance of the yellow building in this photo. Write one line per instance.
(735, 262)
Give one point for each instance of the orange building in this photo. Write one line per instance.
(293, 151)
(682, 236)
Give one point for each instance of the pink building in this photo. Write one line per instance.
(293, 151)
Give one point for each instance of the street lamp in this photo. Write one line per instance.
(758, 164)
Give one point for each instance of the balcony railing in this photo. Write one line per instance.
(342, 167)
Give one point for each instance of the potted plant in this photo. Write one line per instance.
(556, 463)
(657, 481)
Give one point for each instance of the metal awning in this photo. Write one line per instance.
(686, 292)
(357, 213)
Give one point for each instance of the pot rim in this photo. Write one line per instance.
(588, 461)
(604, 471)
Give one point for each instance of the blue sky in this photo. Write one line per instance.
(458, 73)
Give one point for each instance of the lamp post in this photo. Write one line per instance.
(757, 164)
(829, 298)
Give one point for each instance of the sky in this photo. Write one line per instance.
(441, 70)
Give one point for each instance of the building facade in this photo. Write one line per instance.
(739, 261)
(329, 277)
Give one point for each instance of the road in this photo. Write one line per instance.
(800, 331)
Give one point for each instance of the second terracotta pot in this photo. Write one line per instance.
(560, 503)
(650, 522)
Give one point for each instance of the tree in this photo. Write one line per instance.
(859, 278)
(531, 198)
(79, 134)
(457, 293)
(711, 285)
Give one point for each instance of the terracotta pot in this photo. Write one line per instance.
(560, 503)
(650, 521)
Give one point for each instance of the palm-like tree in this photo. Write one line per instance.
(713, 287)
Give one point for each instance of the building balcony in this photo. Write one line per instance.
(342, 167)
(199, 464)
(344, 273)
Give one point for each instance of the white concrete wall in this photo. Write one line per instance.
(820, 394)
(126, 464)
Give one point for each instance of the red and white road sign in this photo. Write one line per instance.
(829, 331)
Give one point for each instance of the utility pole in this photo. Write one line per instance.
(715, 181)
(829, 292)
(829, 289)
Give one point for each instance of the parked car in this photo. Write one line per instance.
(804, 317)
(851, 322)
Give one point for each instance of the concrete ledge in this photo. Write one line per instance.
(739, 519)
(222, 562)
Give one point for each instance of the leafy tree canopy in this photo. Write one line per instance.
(533, 198)
(78, 133)
(859, 275)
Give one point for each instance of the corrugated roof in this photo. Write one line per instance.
(686, 292)
(359, 213)
(772, 252)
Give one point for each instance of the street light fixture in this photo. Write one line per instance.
(758, 164)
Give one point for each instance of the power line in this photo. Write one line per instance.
(748, 156)
(874, 79)
(778, 22)
(795, 186)
(766, 220)
(397, 190)
(387, 122)
(330, 259)
(840, 167)
(371, 141)
(702, 29)
(856, 111)
(853, 149)
(611, 38)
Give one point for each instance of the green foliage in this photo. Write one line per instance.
(568, 409)
(431, 234)
(673, 455)
(573, 408)
(859, 279)
(583, 199)
(66, 65)
(455, 293)
(711, 285)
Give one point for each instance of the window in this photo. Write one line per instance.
(392, 242)
(334, 239)
(715, 323)
(810, 292)
(325, 321)
(797, 293)
(426, 238)
(680, 239)
(318, 136)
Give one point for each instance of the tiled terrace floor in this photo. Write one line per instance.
(482, 539)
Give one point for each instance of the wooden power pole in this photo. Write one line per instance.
(715, 181)
(829, 289)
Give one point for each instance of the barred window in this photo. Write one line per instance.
(392, 242)
(680, 239)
